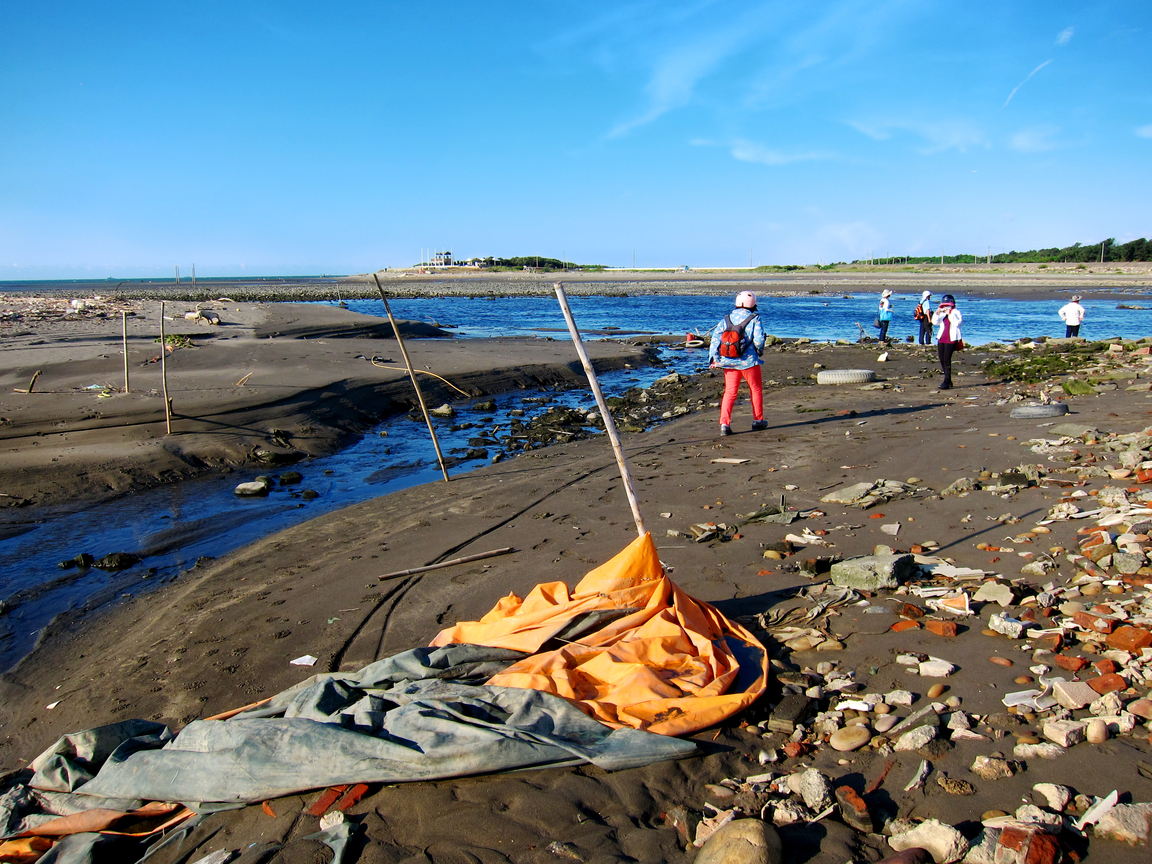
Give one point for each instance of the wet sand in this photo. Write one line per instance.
(222, 635)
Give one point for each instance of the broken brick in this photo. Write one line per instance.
(1105, 667)
(1072, 664)
(1105, 684)
(1130, 639)
(853, 809)
(909, 610)
(901, 626)
(1051, 641)
(1020, 845)
(793, 749)
(1094, 623)
(941, 628)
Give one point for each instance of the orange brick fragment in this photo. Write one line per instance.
(901, 626)
(1094, 622)
(941, 628)
(1130, 639)
(1107, 683)
(1072, 664)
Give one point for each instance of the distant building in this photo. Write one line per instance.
(441, 259)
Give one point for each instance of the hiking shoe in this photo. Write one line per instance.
(758, 425)
(725, 430)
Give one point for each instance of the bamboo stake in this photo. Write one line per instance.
(124, 345)
(466, 559)
(164, 373)
(609, 424)
(31, 384)
(412, 375)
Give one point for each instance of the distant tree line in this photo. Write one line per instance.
(1134, 250)
(534, 262)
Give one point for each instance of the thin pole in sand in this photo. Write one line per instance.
(164, 373)
(466, 559)
(124, 346)
(412, 375)
(609, 424)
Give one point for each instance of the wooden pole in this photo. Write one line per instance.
(124, 345)
(609, 424)
(466, 559)
(412, 375)
(164, 374)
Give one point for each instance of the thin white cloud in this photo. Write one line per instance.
(1035, 140)
(1065, 36)
(1145, 131)
(1025, 81)
(938, 135)
(749, 151)
(676, 74)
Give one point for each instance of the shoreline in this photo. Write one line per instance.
(78, 436)
(223, 633)
(1019, 281)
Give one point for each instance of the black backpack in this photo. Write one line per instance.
(733, 341)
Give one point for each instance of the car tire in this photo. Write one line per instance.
(845, 376)
(1039, 412)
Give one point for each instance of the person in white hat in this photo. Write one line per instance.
(923, 314)
(1072, 314)
(737, 343)
(884, 316)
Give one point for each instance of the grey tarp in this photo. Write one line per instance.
(419, 715)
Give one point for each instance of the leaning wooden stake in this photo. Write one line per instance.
(609, 425)
(124, 345)
(467, 558)
(412, 375)
(31, 384)
(164, 373)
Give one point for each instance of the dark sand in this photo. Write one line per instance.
(222, 635)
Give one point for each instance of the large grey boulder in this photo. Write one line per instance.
(873, 572)
(743, 841)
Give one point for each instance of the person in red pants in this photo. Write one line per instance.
(736, 346)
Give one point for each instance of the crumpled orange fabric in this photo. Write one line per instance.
(663, 661)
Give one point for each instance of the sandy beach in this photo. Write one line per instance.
(300, 380)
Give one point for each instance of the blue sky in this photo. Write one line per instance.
(291, 137)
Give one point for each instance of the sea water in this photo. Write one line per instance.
(178, 524)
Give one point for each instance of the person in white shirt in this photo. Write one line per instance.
(948, 339)
(884, 316)
(1072, 314)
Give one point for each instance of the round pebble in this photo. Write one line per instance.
(952, 701)
(1097, 731)
(1116, 589)
(1089, 648)
(850, 738)
(1028, 716)
(987, 631)
(1023, 679)
(936, 691)
(1056, 550)
(882, 708)
(1090, 590)
(993, 814)
(885, 722)
(857, 721)
(1000, 661)
(879, 741)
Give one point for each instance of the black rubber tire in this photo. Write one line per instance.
(845, 376)
(1039, 412)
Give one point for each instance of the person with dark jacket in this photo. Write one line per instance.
(747, 345)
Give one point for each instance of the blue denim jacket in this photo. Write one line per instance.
(756, 337)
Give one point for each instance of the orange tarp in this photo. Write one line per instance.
(662, 661)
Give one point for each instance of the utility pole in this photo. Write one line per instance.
(1102, 252)
(193, 277)
(177, 275)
